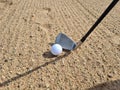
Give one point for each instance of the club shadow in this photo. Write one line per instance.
(35, 69)
(112, 85)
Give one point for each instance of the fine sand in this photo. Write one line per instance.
(28, 29)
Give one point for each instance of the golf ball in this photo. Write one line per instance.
(56, 49)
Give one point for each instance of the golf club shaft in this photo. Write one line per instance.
(114, 2)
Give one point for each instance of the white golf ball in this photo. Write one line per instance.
(56, 49)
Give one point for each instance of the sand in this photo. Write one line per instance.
(28, 29)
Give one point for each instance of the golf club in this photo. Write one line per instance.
(68, 44)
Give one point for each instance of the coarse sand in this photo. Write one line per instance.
(28, 28)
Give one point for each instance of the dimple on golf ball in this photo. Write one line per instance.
(56, 49)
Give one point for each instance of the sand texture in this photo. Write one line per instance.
(28, 28)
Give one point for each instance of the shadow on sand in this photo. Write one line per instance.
(45, 55)
(112, 85)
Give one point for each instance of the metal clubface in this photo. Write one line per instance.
(65, 42)
(69, 44)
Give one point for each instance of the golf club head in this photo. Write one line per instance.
(65, 42)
